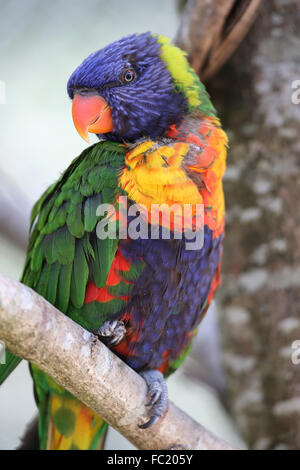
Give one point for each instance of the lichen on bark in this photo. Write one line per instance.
(260, 296)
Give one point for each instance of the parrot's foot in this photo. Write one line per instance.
(113, 331)
(158, 392)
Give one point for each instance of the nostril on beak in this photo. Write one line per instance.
(85, 91)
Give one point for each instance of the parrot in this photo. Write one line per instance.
(160, 144)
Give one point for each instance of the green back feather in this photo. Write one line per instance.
(63, 251)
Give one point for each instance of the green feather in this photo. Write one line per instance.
(64, 196)
(90, 208)
(52, 283)
(80, 274)
(108, 195)
(120, 289)
(56, 219)
(95, 180)
(134, 271)
(105, 251)
(63, 288)
(173, 365)
(92, 315)
(64, 245)
(63, 251)
(44, 214)
(37, 255)
(75, 223)
(64, 420)
(42, 285)
(38, 205)
(49, 247)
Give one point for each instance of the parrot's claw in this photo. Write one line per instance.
(113, 331)
(158, 393)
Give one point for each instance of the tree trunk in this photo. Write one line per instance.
(260, 296)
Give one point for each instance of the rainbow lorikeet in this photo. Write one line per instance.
(160, 143)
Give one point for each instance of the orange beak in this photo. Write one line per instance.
(91, 114)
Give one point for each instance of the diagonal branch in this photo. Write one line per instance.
(33, 329)
(211, 30)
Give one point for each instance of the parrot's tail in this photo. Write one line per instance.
(74, 426)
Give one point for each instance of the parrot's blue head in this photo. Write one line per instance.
(135, 87)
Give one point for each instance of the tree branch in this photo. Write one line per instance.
(33, 329)
(211, 30)
(260, 308)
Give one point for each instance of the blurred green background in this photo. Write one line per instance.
(41, 44)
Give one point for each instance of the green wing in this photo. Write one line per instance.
(64, 252)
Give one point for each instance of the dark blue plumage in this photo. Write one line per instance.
(169, 297)
(144, 107)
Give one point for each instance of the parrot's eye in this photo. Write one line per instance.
(128, 76)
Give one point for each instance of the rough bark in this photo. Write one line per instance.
(35, 330)
(260, 303)
(210, 31)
